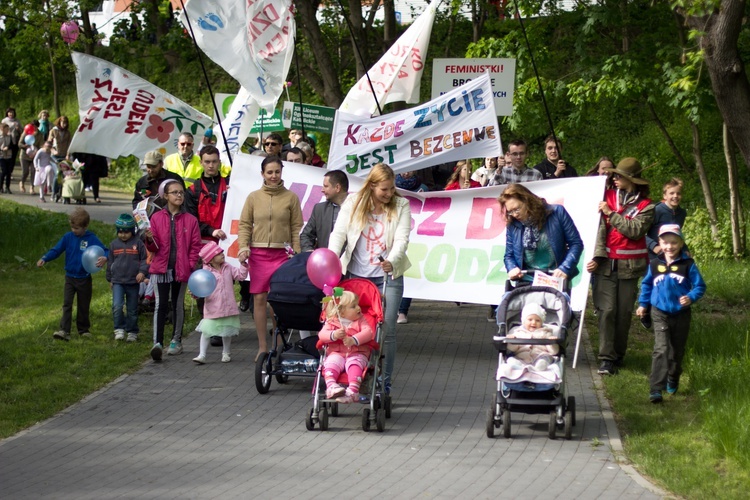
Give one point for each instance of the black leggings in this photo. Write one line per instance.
(162, 294)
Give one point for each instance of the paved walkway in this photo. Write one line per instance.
(176, 430)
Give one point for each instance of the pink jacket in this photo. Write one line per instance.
(360, 330)
(188, 235)
(221, 303)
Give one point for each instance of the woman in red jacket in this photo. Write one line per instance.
(175, 240)
(461, 177)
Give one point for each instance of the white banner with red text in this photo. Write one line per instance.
(457, 242)
(397, 75)
(123, 114)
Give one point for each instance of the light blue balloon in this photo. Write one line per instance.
(90, 256)
(202, 283)
(29, 140)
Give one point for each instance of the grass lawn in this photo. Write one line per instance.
(697, 443)
(39, 375)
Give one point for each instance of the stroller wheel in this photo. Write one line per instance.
(323, 419)
(380, 420)
(506, 423)
(490, 424)
(552, 424)
(366, 420)
(568, 424)
(334, 409)
(281, 378)
(66, 201)
(387, 405)
(262, 378)
(571, 406)
(309, 420)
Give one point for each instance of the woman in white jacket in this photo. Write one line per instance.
(373, 227)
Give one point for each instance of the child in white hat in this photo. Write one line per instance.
(532, 327)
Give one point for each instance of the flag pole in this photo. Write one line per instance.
(299, 91)
(536, 74)
(359, 55)
(208, 83)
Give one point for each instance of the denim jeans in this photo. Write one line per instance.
(394, 292)
(126, 295)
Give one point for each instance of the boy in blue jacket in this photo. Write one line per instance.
(77, 279)
(671, 285)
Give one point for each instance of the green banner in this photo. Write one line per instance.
(316, 118)
(268, 123)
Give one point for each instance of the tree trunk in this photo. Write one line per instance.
(321, 73)
(89, 42)
(721, 30)
(359, 37)
(705, 185)
(390, 31)
(53, 74)
(734, 195)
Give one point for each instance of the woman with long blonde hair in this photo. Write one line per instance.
(461, 177)
(373, 231)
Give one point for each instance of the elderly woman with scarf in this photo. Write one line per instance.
(539, 236)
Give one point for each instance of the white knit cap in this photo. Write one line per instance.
(533, 308)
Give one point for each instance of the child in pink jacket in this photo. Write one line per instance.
(221, 317)
(347, 334)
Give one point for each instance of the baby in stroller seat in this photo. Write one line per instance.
(532, 327)
(346, 336)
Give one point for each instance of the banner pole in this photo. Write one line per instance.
(208, 83)
(536, 74)
(359, 55)
(580, 329)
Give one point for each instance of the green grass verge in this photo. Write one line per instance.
(39, 375)
(697, 443)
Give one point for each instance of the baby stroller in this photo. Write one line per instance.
(532, 392)
(69, 183)
(379, 407)
(296, 304)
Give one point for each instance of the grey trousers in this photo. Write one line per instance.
(670, 337)
(81, 287)
(614, 299)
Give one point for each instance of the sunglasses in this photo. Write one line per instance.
(272, 144)
(186, 144)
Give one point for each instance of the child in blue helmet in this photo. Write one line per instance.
(126, 269)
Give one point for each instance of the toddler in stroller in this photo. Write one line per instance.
(70, 183)
(531, 360)
(535, 357)
(353, 359)
(346, 336)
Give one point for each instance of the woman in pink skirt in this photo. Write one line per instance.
(271, 221)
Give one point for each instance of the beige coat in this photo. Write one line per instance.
(271, 217)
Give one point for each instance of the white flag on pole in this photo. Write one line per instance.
(236, 126)
(397, 75)
(253, 41)
(122, 114)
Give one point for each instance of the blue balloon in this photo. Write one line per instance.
(202, 283)
(29, 140)
(89, 258)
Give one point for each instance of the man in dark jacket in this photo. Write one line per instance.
(320, 224)
(148, 185)
(553, 166)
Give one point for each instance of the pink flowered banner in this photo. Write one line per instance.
(123, 114)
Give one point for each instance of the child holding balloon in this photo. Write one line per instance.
(347, 335)
(221, 316)
(84, 254)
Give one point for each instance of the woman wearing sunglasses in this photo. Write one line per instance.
(539, 236)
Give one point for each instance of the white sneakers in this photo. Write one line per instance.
(119, 334)
(201, 360)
